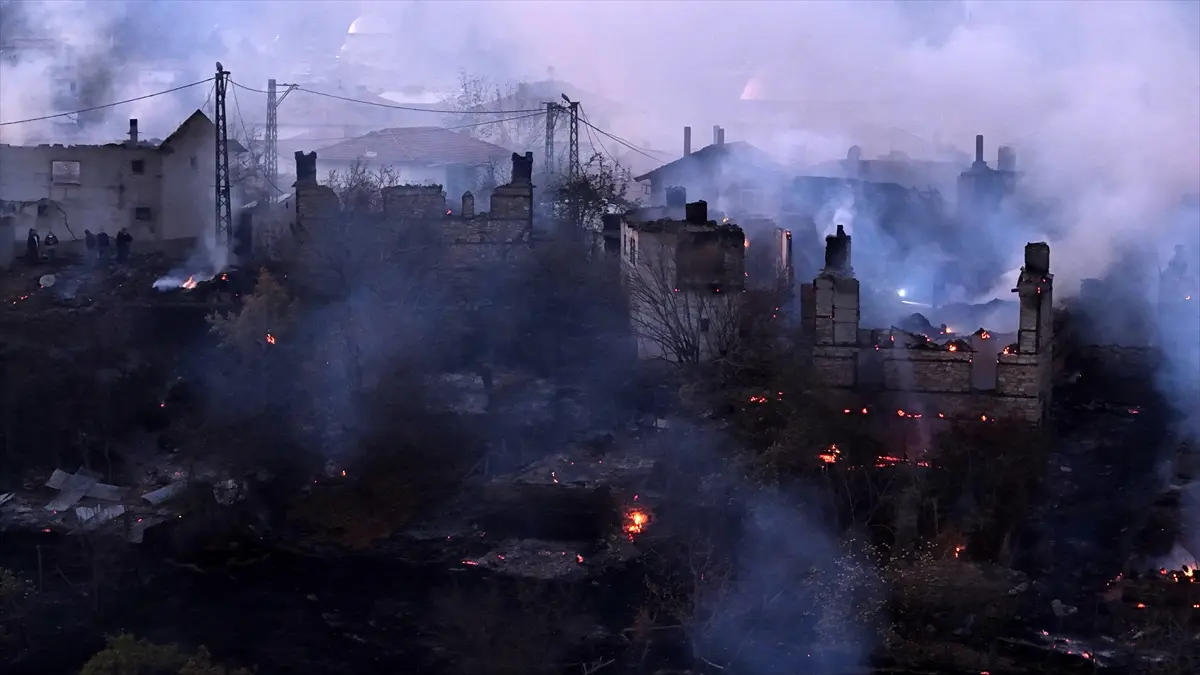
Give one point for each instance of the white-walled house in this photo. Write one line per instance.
(160, 191)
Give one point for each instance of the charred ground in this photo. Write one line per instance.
(398, 480)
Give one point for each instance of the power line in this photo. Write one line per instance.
(592, 139)
(394, 106)
(624, 142)
(106, 105)
(237, 106)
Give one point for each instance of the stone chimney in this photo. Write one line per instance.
(1006, 159)
(837, 252)
(696, 213)
(687, 141)
(716, 134)
(979, 149)
(522, 169)
(133, 131)
(1037, 257)
(676, 197)
(720, 135)
(306, 167)
(468, 205)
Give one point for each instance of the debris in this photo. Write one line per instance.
(1061, 610)
(162, 494)
(138, 530)
(101, 491)
(94, 516)
(4, 498)
(229, 492)
(72, 488)
(46, 281)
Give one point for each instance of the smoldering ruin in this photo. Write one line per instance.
(433, 372)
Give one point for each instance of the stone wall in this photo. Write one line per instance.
(983, 377)
(926, 370)
(468, 241)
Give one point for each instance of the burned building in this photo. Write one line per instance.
(160, 191)
(736, 177)
(684, 279)
(466, 239)
(946, 377)
(981, 188)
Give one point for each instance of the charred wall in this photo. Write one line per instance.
(982, 376)
(469, 243)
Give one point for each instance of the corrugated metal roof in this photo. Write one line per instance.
(415, 145)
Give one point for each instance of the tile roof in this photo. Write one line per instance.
(415, 145)
(738, 151)
(197, 117)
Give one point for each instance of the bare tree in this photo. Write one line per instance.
(483, 111)
(683, 324)
(601, 187)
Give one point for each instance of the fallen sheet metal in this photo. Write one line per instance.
(138, 531)
(73, 488)
(7, 496)
(162, 494)
(101, 491)
(94, 516)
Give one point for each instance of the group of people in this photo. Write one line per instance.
(99, 246)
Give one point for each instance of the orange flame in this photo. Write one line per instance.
(953, 348)
(831, 455)
(270, 339)
(635, 522)
(189, 283)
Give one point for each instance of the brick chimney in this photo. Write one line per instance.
(687, 141)
(133, 131)
(697, 212)
(522, 169)
(837, 251)
(306, 167)
(979, 149)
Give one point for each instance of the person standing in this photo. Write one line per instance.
(124, 239)
(102, 245)
(51, 243)
(33, 246)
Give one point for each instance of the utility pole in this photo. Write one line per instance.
(220, 124)
(573, 168)
(551, 110)
(271, 152)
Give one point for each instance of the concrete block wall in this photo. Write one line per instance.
(836, 366)
(413, 204)
(999, 376)
(921, 370)
(836, 310)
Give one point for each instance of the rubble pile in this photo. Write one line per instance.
(550, 560)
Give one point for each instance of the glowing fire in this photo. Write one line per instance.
(747, 243)
(953, 348)
(188, 283)
(984, 335)
(958, 550)
(635, 522)
(270, 339)
(831, 455)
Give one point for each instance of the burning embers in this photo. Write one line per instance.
(833, 455)
(171, 282)
(636, 521)
(759, 400)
